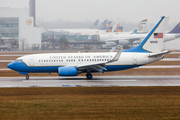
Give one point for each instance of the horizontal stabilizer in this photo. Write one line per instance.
(158, 54)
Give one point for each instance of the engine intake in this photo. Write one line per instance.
(67, 71)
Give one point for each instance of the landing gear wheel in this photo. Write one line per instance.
(89, 76)
(27, 77)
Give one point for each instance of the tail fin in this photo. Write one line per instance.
(119, 29)
(140, 27)
(109, 29)
(135, 31)
(154, 41)
(176, 29)
(106, 26)
(94, 26)
(103, 24)
(115, 26)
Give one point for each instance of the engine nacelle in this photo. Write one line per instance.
(123, 42)
(67, 71)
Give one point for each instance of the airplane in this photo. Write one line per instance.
(102, 28)
(72, 64)
(130, 39)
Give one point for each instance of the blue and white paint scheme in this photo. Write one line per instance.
(72, 64)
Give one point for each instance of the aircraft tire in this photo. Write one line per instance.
(27, 77)
(89, 76)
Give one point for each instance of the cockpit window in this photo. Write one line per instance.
(18, 60)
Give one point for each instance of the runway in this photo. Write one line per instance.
(99, 81)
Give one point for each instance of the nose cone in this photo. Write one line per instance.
(10, 65)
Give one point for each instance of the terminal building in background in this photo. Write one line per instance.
(18, 30)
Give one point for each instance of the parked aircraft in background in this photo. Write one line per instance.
(95, 24)
(117, 28)
(72, 64)
(130, 39)
(101, 29)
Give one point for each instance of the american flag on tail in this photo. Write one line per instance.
(158, 35)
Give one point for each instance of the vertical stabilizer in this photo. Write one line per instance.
(103, 24)
(154, 41)
(106, 26)
(109, 29)
(176, 29)
(94, 26)
(119, 29)
(140, 28)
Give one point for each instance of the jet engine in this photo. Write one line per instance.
(123, 42)
(67, 71)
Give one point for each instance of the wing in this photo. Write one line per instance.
(99, 66)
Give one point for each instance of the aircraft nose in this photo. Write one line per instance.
(10, 65)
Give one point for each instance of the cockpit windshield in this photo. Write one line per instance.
(18, 60)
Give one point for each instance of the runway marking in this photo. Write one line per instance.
(5, 69)
(161, 66)
(79, 80)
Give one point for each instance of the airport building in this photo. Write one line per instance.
(18, 30)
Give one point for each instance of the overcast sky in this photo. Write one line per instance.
(115, 10)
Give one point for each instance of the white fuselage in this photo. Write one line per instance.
(75, 59)
(79, 31)
(129, 37)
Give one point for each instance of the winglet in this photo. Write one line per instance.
(112, 50)
(117, 56)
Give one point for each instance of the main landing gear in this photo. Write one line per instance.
(27, 77)
(89, 76)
